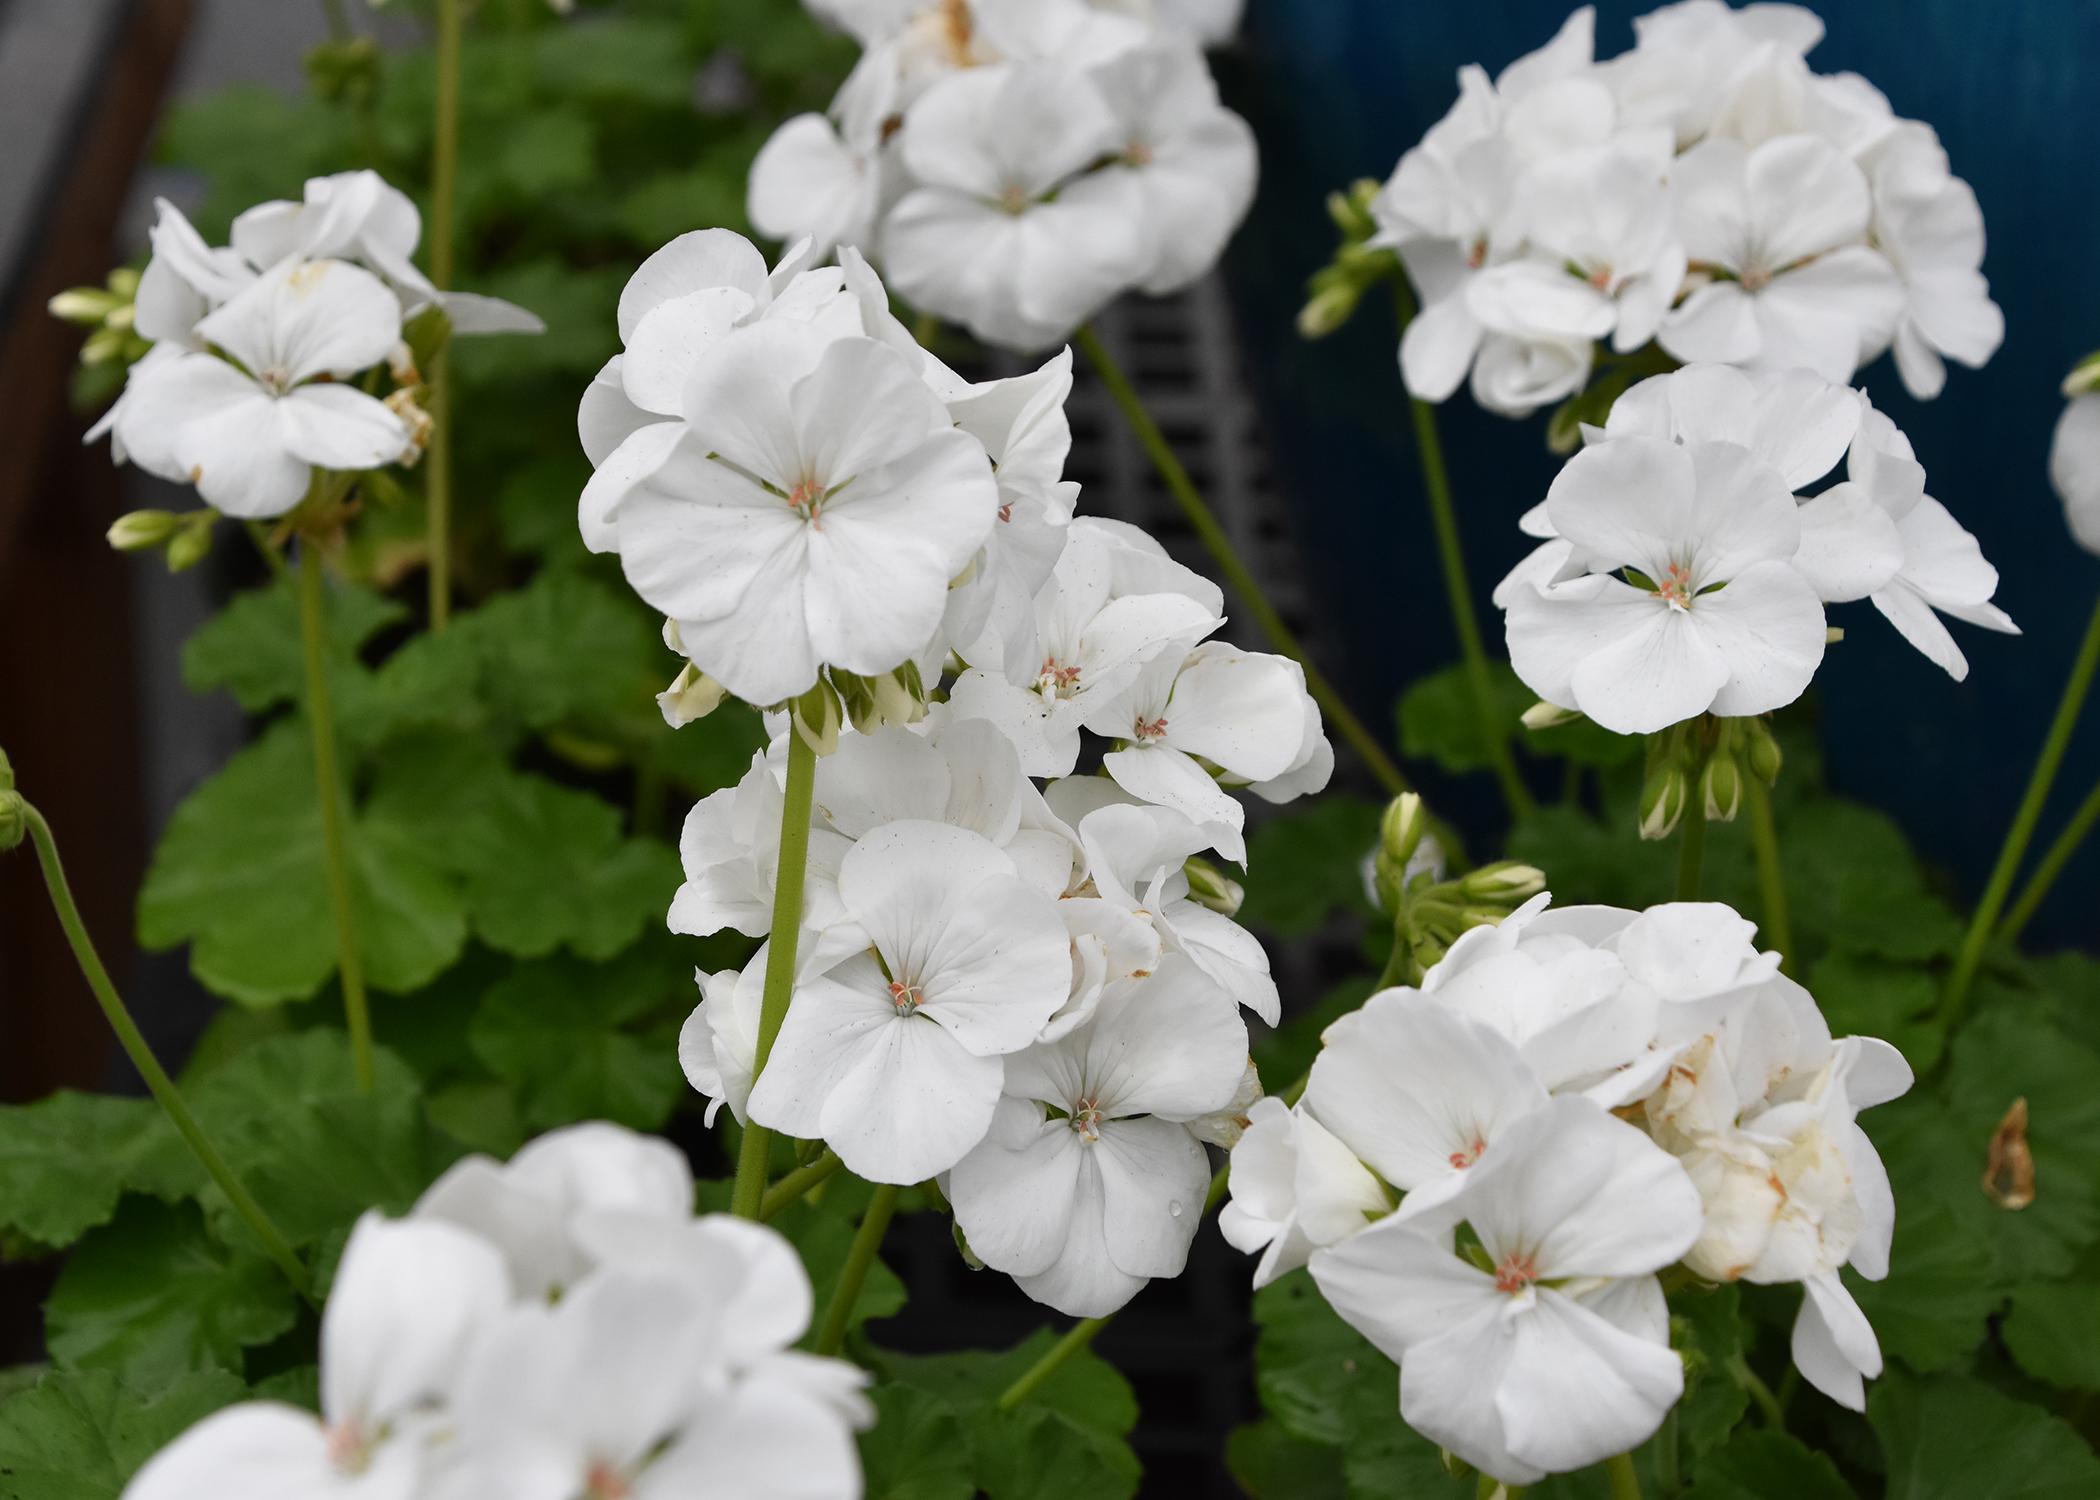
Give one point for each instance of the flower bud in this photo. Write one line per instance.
(1505, 883)
(1761, 757)
(84, 306)
(692, 695)
(192, 544)
(816, 718)
(1721, 789)
(1351, 211)
(1210, 886)
(1544, 715)
(1332, 305)
(143, 530)
(14, 820)
(1400, 830)
(1663, 798)
(2084, 377)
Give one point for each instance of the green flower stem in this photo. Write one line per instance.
(1242, 582)
(1458, 586)
(1625, 1482)
(748, 1199)
(1759, 1393)
(1771, 879)
(2052, 865)
(444, 197)
(328, 787)
(1985, 920)
(867, 1240)
(1691, 850)
(163, 1088)
(1055, 1358)
(796, 1183)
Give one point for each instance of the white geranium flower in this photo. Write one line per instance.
(359, 216)
(409, 1303)
(529, 1208)
(1419, 1092)
(894, 1057)
(1192, 160)
(2074, 468)
(1083, 1206)
(1717, 620)
(1240, 711)
(811, 513)
(249, 435)
(1558, 1356)
(1295, 1188)
(1929, 225)
(1600, 219)
(730, 847)
(718, 1044)
(1782, 229)
(1006, 230)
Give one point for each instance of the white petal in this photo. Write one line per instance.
(1767, 626)
(1849, 545)
(703, 258)
(340, 427)
(1579, 1389)
(408, 1301)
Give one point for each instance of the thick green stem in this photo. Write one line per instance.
(2052, 865)
(1625, 1482)
(796, 1183)
(444, 195)
(748, 1198)
(1691, 851)
(1237, 577)
(2030, 812)
(1055, 1358)
(134, 1044)
(867, 1240)
(328, 788)
(1771, 879)
(1458, 588)
(1759, 1393)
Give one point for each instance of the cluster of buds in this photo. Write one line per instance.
(1429, 910)
(838, 698)
(1358, 265)
(14, 812)
(185, 536)
(109, 313)
(1706, 759)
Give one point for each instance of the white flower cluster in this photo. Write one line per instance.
(1572, 1102)
(259, 347)
(1683, 572)
(1704, 190)
(799, 487)
(558, 1328)
(1015, 165)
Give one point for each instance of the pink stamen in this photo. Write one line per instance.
(604, 1482)
(1515, 1274)
(348, 1447)
(1086, 1119)
(1675, 586)
(906, 997)
(1464, 1159)
(1055, 673)
(1151, 729)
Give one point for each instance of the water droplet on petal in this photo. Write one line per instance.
(1174, 1208)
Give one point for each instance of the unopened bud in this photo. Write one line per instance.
(1761, 757)
(1331, 306)
(1505, 883)
(84, 306)
(692, 695)
(143, 530)
(1400, 830)
(1544, 715)
(1663, 798)
(104, 345)
(401, 364)
(1351, 211)
(816, 718)
(1210, 886)
(1721, 788)
(2084, 377)
(14, 820)
(192, 544)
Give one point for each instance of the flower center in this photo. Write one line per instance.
(808, 498)
(1477, 254)
(1464, 1159)
(1086, 1119)
(1013, 199)
(1138, 154)
(1754, 278)
(1151, 729)
(1674, 588)
(604, 1482)
(1601, 278)
(1057, 677)
(1515, 1274)
(1006, 511)
(349, 1447)
(277, 380)
(906, 997)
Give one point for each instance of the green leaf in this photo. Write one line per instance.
(1761, 1465)
(1307, 865)
(253, 648)
(2000, 1057)
(314, 1148)
(240, 874)
(560, 1033)
(82, 1435)
(1952, 1438)
(151, 1296)
(616, 61)
(1706, 1328)
(2053, 1329)
(541, 866)
(1268, 1463)
(67, 1159)
(1440, 718)
(917, 1449)
(1870, 997)
(1855, 884)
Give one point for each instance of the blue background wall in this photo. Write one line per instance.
(1339, 88)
